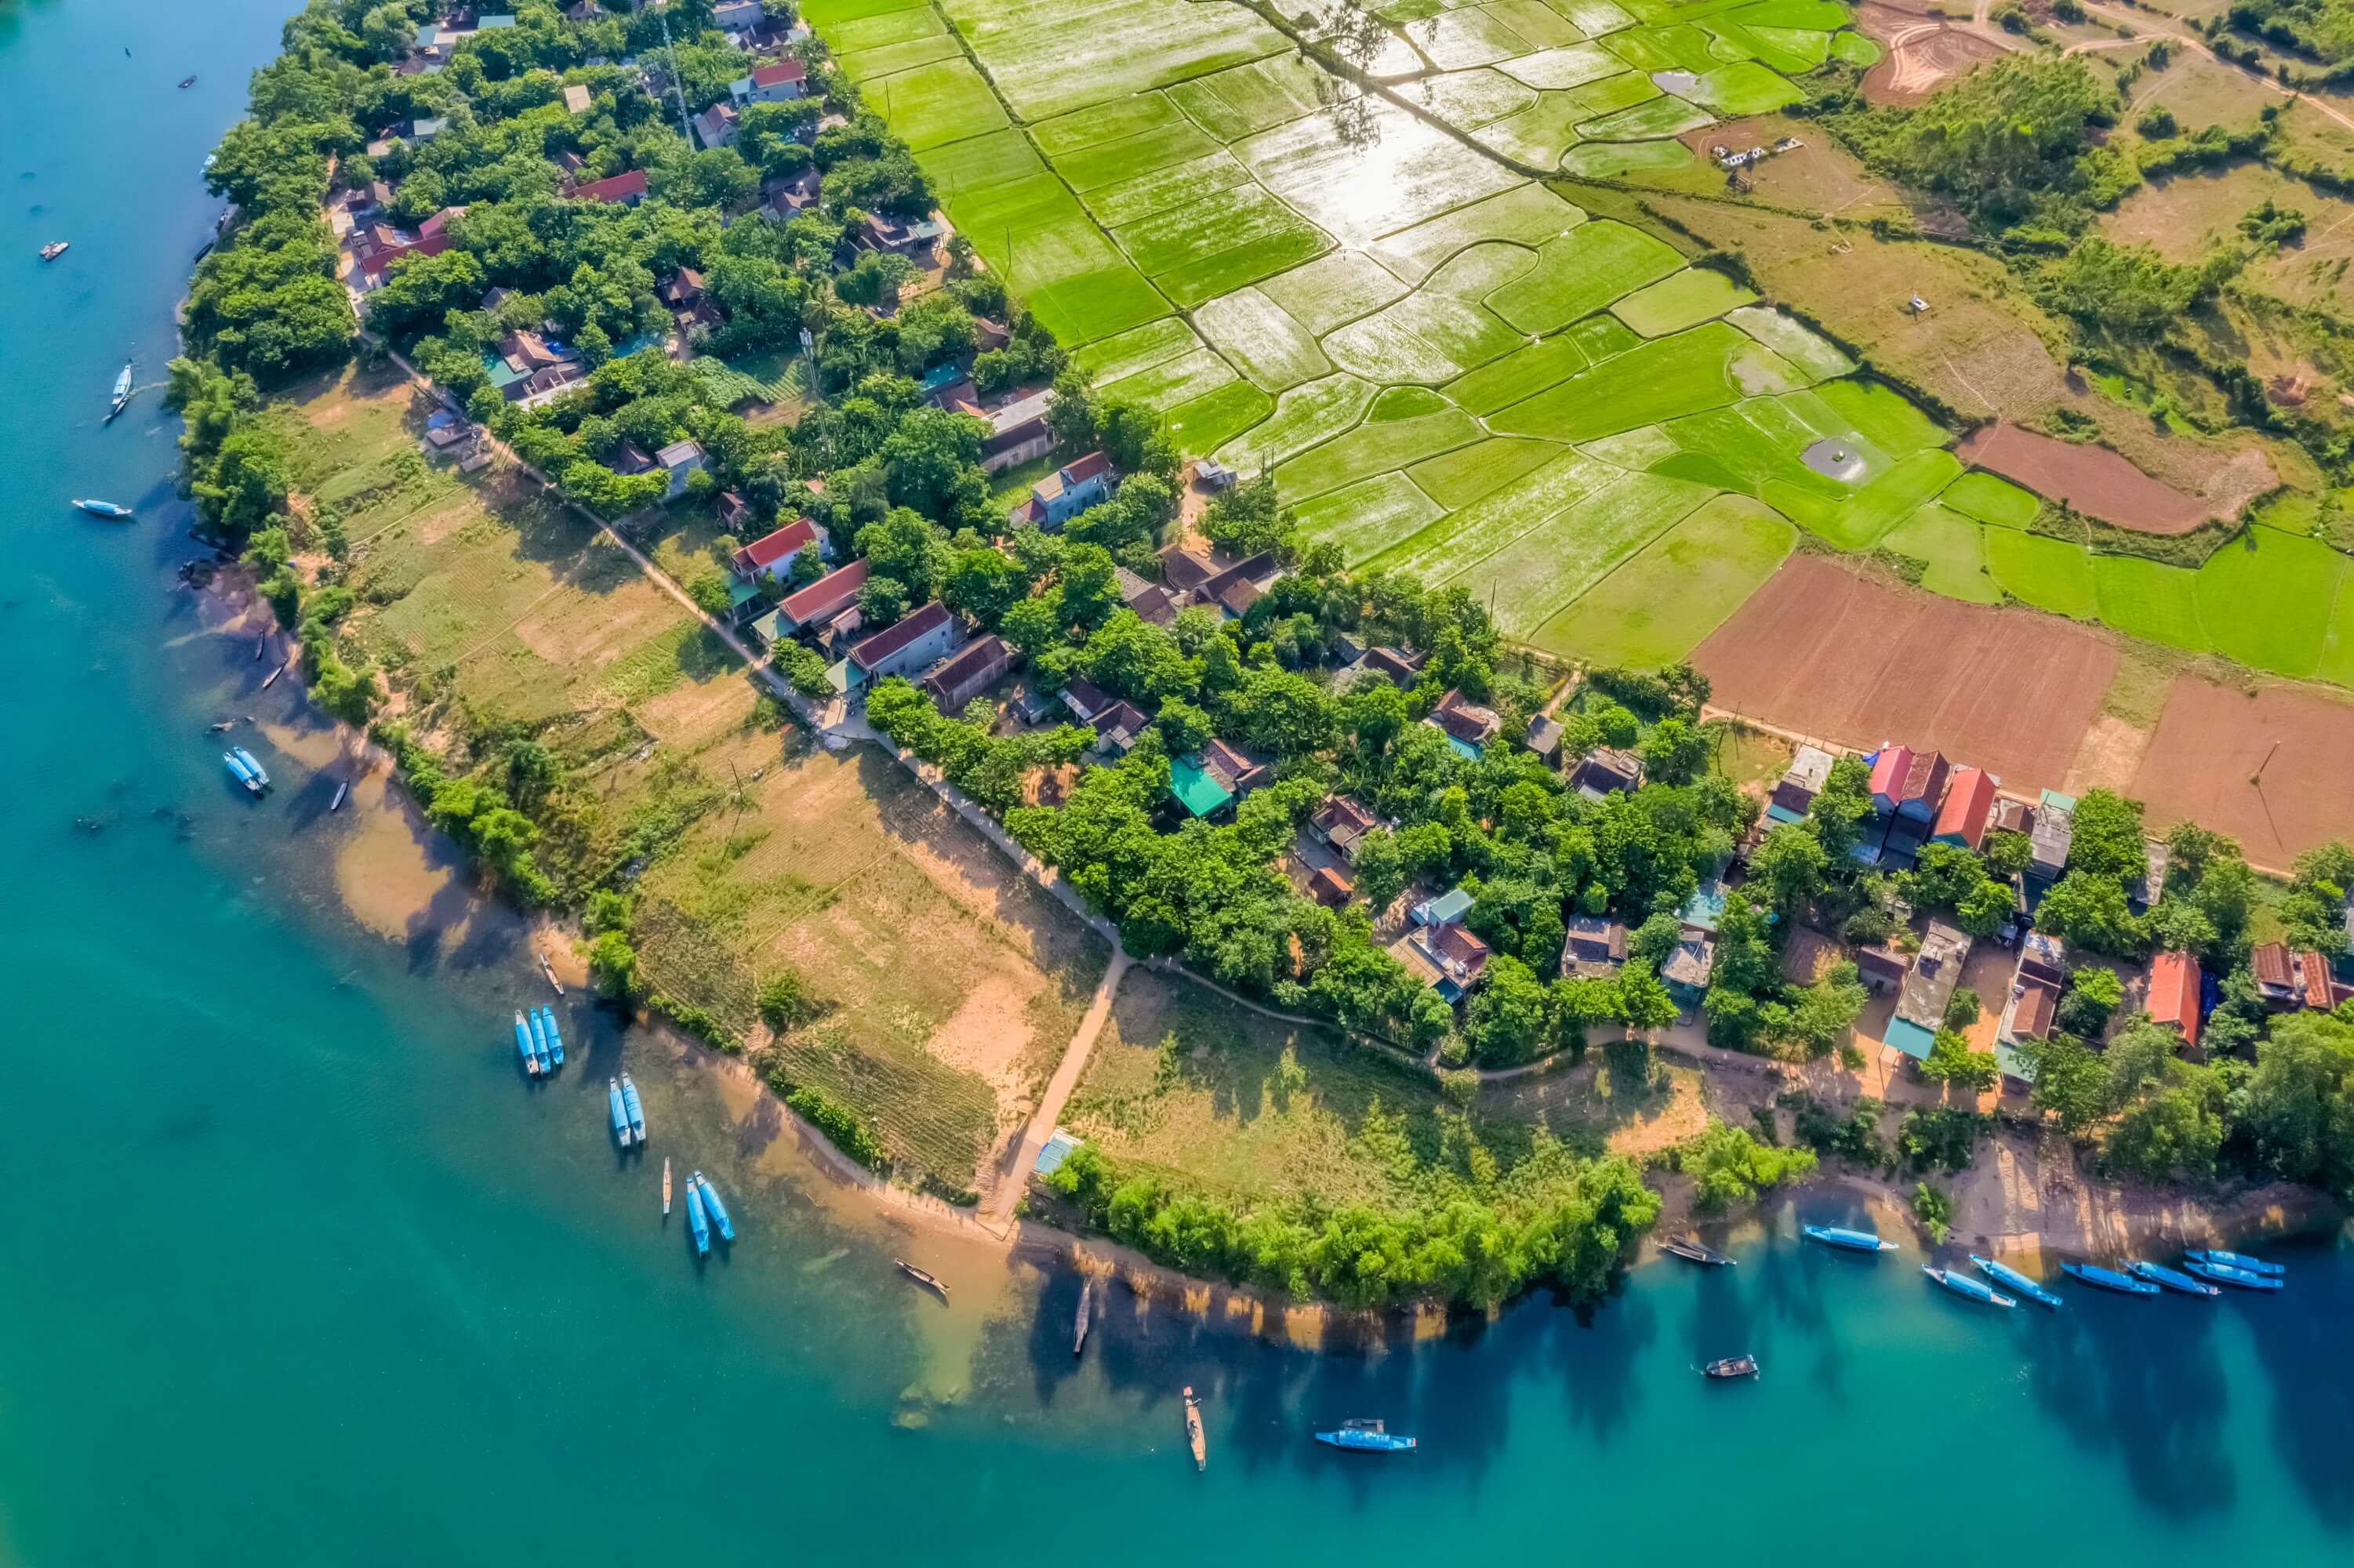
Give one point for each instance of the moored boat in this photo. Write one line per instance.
(539, 1040)
(107, 509)
(2003, 1274)
(2235, 1260)
(636, 1112)
(1362, 1436)
(121, 393)
(1689, 1249)
(1193, 1430)
(1846, 1240)
(711, 1204)
(55, 248)
(2239, 1278)
(696, 1221)
(1731, 1366)
(342, 790)
(1963, 1284)
(523, 1044)
(922, 1276)
(2108, 1279)
(621, 1128)
(665, 1186)
(1086, 1310)
(2171, 1278)
(187, 81)
(556, 1040)
(242, 774)
(260, 774)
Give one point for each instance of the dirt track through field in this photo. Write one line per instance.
(1825, 652)
(2212, 740)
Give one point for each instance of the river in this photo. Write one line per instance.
(300, 1270)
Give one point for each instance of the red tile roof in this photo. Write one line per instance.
(2174, 993)
(2269, 962)
(1329, 888)
(2032, 1015)
(1888, 771)
(777, 74)
(763, 553)
(2313, 970)
(896, 636)
(614, 188)
(376, 265)
(1081, 469)
(826, 598)
(1969, 802)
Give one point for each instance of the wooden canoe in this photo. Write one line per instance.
(1193, 1430)
(1086, 1310)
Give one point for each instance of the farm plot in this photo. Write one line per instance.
(1706, 367)
(1951, 557)
(1530, 580)
(1581, 272)
(1654, 610)
(1372, 449)
(1368, 517)
(1684, 300)
(935, 104)
(1991, 500)
(1047, 56)
(2211, 740)
(1358, 192)
(1471, 536)
(2266, 600)
(1205, 423)
(2050, 574)
(1303, 418)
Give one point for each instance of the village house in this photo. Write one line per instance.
(681, 461)
(914, 641)
(1458, 958)
(2173, 998)
(1395, 665)
(1451, 904)
(629, 458)
(786, 197)
(1084, 700)
(2287, 980)
(1340, 824)
(1605, 770)
(681, 289)
(1967, 808)
(2054, 831)
(1466, 725)
(1908, 784)
(1150, 601)
(1117, 730)
(1704, 910)
(1685, 974)
(737, 15)
(1329, 888)
(777, 82)
(628, 189)
(968, 672)
(814, 608)
(716, 126)
(522, 365)
(770, 559)
(1236, 589)
(1921, 1005)
(1595, 948)
(1017, 433)
(1215, 476)
(576, 98)
(386, 246)
(1066, 492)
(1794, 794)
(915, 240)
(1882, 965)
(1207, 781)
(1543, 739)
(2037, 981)
(1184, 571)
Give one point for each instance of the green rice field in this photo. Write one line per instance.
(1451, 370)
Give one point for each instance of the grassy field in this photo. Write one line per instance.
(1656, 608)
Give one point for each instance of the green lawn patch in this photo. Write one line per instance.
(1627, 160)
(1953, 559)
(1681, 300)
(1165, 386)
(1476, 531)
(1991, 499)
(2148, 598)
(2050, 574)
(1369, 516)
(1581, 273)
(863, 66)
(1656, 608)
(1666, 115)
(1745, 87)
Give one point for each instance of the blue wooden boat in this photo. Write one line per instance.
(2225, 1274)
(2108, 1279)
(109, 510)
(241, 773)
(539, 1042)
(523, 1044)
(1963, 1284)
(1847, 1241)
(555, 1035)
(2003, 1274)
(1366, 1438)
(260, 774)
(711, 1204)
(621, 1117)
(2171, 1278)
(2236, 1260)
(538, 1049)
(636, 1112)
(695, 1219)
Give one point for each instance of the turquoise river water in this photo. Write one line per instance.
(298, 1270)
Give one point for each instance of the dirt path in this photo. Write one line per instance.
(1011, 1177)
(2146, 33)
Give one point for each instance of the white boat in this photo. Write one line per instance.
(341, 790)
(55, 248)
(121, 393)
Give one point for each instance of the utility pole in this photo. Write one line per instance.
(678, 94)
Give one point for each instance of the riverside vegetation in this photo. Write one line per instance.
(898, 482)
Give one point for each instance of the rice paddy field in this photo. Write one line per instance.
(1451, 367)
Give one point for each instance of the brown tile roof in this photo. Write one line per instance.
(614, 188)
(778, 74)
(2313, 969)
(2269, 961)
(1451, 943)
(1329, 888)
(1183, 570)
(1807, 955)
(2032, 1012)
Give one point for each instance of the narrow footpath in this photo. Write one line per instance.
(1012, 1176)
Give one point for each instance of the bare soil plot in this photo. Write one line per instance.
(1827, 650)
(2093, 480)
(1924, 53)
(2212, 741)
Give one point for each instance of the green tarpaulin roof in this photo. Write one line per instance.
(1194, 788)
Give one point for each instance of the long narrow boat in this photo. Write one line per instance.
(121, 393)
(523, 1044)
(2241, 1279)
(711, 1204)
(112, 511)
(1361, 1436)
(1193, 1430)
(1963, 1284)
(554, 1036)
(2108, 1279)
(2003, 1274)
(629, 1104)
(532, 1042)
(696, 1221)
(242, 774)
(923, 1276)
(1847, 1241)
(2236, 1260)
(1691, 1251)
(621, 1129)
(665, 1186)
(260, 774)
(2171, 1278)
(539, 1040)
(55, 248)
(1086, 1310)
(342, 790)
(1731, 1366)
